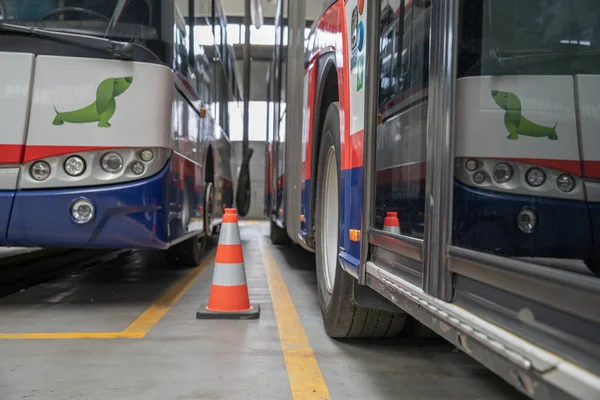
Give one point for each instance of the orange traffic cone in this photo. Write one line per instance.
(391, 223)
(229, 292)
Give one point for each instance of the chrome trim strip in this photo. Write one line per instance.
(564, 290)
(533, 370)
(403, 245)
(440, 129)
(370, 133)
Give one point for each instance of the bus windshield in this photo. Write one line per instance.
(537, 37)
(127, 19)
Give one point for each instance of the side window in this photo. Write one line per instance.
(401, 135)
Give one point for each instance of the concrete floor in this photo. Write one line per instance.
(146, 343)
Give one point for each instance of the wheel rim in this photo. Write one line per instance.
(330, 219)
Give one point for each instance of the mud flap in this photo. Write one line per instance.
(243, 191)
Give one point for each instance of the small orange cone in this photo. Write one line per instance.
(391, 223)
(229, 292)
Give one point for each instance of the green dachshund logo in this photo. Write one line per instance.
(100, 110)
(515, 122)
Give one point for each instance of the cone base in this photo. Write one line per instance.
(252, 313)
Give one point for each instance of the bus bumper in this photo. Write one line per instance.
(128, 215)
(6, 199)
(487, 221)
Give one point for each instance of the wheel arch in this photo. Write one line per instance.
(327, 92)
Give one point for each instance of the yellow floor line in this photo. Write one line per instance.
(303, 370)
(155, 312)
(142, 325)
(73, 335)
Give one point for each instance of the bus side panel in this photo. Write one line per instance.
(354, 37)
(15, 96)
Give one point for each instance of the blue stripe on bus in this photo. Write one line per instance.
(6, 199)
(487, 221)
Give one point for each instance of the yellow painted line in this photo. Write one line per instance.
(73, 335)
(142, 325)
(303, 370)
(155, 312)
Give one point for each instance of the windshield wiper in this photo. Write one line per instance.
(121, 50)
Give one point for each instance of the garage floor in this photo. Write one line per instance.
(127, 329)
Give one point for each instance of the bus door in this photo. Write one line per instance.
(399, 176)
(15, 97)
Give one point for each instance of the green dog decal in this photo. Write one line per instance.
(515, 122)
(102, 109)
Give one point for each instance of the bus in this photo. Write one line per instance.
(115, 125)
(443, 168)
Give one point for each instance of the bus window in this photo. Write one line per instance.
(526, 148)
(401, 135)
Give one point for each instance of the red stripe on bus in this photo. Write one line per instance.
(591, 169)
(11, 153)
(356, 149)
(344, 88)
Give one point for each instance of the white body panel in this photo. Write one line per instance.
(70, 84)
(356, 62)
(545, 100)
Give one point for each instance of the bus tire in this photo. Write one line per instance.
(342, 317)
(278, 235)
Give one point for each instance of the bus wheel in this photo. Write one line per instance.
(341, 316)
(209, 202)
(188, 253)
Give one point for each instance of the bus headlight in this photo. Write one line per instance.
(479, 177)
(112, 162)
(137, 168)
(502, 172)
(74, 166)
(535, 177)
(146, 155)
(471, 165)
(82, 211)
(40, 170)
(565, 183)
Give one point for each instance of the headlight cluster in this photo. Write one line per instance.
(517, 178)
(95, 167)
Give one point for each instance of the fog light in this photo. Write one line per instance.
(74, 166)
(471, 165)
(535, 177)
(137, 168)
(40, 171)
(147, 155)
(82, 211)
(502, 172)
(479, 177)
(566, 183)
(112, 162)
(527, 221)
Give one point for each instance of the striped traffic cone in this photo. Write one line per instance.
(229, 292)
(391, 223)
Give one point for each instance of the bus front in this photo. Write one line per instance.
(527, 113)
(85, 101)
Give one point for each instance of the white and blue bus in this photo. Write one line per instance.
(114, 125)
